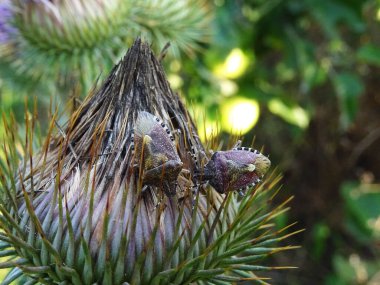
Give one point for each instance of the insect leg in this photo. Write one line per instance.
(159, 201)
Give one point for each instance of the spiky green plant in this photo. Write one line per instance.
(75, 213)
(58, 43)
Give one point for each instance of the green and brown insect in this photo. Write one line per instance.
(155, 153)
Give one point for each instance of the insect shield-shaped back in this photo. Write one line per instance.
(236, 170)
(155, 153)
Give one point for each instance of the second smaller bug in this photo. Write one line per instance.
(235, 170)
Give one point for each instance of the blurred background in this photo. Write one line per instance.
(299, 77)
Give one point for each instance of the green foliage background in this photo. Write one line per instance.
(321, 58)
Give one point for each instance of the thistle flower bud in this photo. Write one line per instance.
(59, 44)
(80, 212)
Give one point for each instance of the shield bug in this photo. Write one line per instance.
(155, 153)
(236, 169)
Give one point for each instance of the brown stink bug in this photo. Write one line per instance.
(155, 153)
(235, 170)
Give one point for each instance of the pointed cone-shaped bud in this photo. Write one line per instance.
(95, 206)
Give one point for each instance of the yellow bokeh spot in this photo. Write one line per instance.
(175, 81)
(292, 114)
(228, 87)
(175, 66)
(234, 66)
(239, 115)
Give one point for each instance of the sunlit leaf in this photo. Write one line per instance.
(239, 115)
(291, 113)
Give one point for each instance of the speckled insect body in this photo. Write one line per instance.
(155, 153)
(235, 170)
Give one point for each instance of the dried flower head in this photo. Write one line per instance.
(76, 213)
